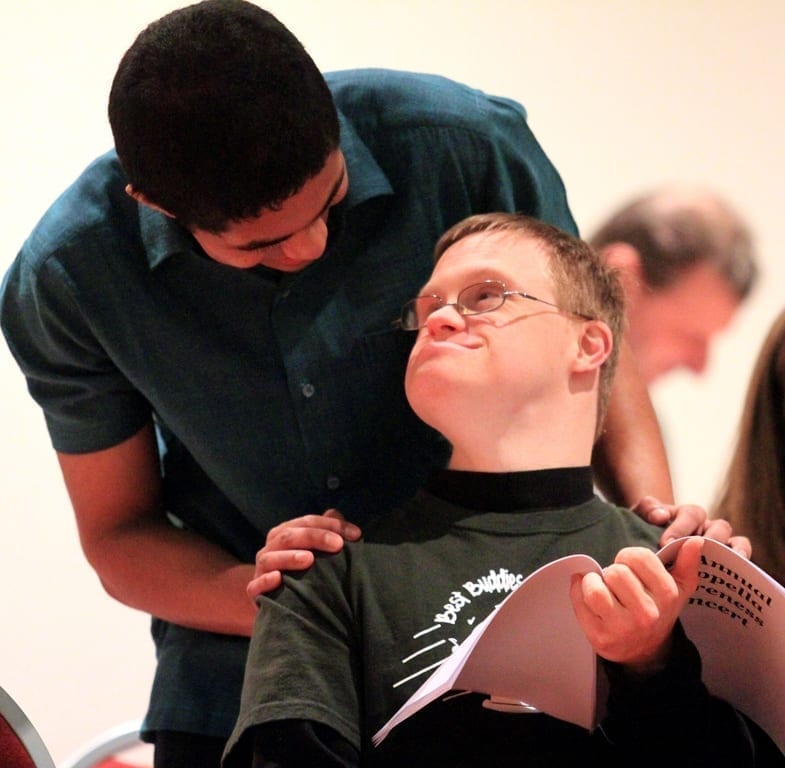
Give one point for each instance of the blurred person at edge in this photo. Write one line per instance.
(753, 495)
(687, 262)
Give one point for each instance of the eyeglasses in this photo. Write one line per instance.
(476, 299)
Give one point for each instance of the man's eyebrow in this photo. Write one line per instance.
(255, 245)
(477, 275)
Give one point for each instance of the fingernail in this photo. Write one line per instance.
(351, 531)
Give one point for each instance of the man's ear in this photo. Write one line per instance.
(594, 346)
(626, 259)
(142, 199)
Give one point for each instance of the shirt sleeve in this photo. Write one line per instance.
(678, 720)
(87, 402)
(301, 744)
(302, 676)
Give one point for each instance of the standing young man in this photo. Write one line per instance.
(216, 297)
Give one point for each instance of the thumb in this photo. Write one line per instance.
(685, 568)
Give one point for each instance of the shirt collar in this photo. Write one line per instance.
(366, 178)
(162, 236)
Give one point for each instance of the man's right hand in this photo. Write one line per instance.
(142, 559)
(290, 547)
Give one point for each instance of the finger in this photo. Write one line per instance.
(332, 520)
(290, 537)
(582, 613)
(644, 568)
(653, 510)
(689, 520)
(742, 545)
(262, 585)
(719, 530)
(630, 592)
(348, 530)
(283, 560)
(592, 596)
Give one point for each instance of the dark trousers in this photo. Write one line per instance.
(174, 749)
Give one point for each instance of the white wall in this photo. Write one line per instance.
(623, 95)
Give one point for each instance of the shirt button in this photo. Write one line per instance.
(307, 389)
(333, 482)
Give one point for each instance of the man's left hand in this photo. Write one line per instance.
(628, 612)
(689, 520)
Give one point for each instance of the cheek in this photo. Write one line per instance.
(419, 393)
(420, 374)
(673, 344)
(239, 259)
(408, 380)
(429, 381)
(412, 381)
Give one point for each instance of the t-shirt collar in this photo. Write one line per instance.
(518, 491)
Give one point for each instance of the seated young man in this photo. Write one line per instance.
(513, 364)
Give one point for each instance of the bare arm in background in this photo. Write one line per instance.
(629, 459)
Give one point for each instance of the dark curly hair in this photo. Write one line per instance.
(218, 111)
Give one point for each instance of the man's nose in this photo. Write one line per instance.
(699, 358)
(308, 244)
(446, 319)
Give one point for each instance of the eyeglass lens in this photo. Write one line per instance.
(472, 300)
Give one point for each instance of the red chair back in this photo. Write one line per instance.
(20, 744)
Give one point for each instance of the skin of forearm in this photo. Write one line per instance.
(175, 575)
(142, 559)
(629, 460)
